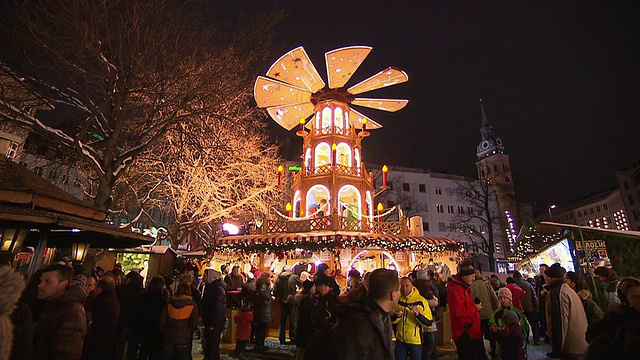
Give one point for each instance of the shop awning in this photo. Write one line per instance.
(326, 240)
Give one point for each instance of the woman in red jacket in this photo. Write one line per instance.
(464, 314)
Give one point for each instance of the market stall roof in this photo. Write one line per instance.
(621, 233)
(29, 201)
(330, 239)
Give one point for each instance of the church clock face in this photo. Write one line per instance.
(499, 141)
(485, 144)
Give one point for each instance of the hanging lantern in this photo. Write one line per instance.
(12, 238)
(78, 251)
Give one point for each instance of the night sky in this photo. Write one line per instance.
(560, 82)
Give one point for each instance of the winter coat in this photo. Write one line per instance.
(262, 304)
(566, 314)
(304, 330)
(511, 343)
(128, 296)
(517, 294)
(150, 306)
(616, 336)
(496, 318)
(410, 327)
(233, 282)
(462, 310)
(244, 320)
(11, 286)
(488, 298)
(105, 311)
(433, 306)
(285, 287)
(529, 300)
(179, 319)
(61, 326)
(609, 293)
(248, 289)
(214, 304)
(592, 310)
(363, 331)
(324, 312)
(22, 332)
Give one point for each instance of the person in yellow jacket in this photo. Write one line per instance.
(412, 316)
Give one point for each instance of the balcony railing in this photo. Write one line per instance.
(332, 223)
(337, 169)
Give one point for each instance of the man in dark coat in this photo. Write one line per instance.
(61, 325)
(364, 328)
(127, 331)
(105, 311)
(214, 312)
(284, 289)
(148, 312)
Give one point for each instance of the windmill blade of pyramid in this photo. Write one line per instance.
(356, 118)
(270, 92)
(387, 77)
(289, 116)
(296, 68)
(391, 105)
(342, 64)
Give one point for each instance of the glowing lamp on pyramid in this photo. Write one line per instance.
(332, 179)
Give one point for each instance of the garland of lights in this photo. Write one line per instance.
(327, 245)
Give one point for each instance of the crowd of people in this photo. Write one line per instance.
(112, 315)
(556, 307)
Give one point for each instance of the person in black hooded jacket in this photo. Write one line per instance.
(214, 312)
(148, 312)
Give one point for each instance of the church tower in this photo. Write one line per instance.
(494, 167)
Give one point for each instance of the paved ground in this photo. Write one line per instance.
(277, 351)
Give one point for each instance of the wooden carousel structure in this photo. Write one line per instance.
(332, 217)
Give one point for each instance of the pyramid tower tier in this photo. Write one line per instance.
(333, 178)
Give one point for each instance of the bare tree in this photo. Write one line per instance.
(232, 175)
(482, 210)
(130, 72)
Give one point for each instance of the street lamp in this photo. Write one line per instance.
(551, 207)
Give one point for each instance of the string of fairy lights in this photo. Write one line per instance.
(331, 243)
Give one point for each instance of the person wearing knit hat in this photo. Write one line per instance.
(464, 313)
(496, 323)
(564, 307)
(505, 293)
(511, 338)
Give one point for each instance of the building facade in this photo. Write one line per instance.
(494, 169)
(604, 210)
(629, 182)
